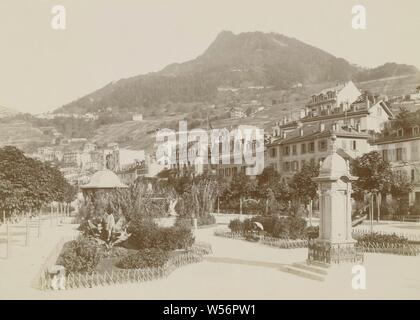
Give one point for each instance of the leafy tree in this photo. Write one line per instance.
(374, 176)
(271, 187)
(401, 186)
(241, 187)
(304, 189)
(26, 183)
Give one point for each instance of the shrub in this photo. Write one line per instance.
(415, 210)
(236, 226)
(206, 220)
(147, 234)
(174, 238)
(146, 258)
(278, 227)
(296, 227)
(377, 238)
(81, 255)
(312, 232)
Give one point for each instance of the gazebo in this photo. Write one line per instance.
(101, 183)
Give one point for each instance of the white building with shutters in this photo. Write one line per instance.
(402, 150)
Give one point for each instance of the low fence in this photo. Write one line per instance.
(270, 241)
(390, 248)
(415, 238)
(284, 243)
(80, 281)
(83, 280)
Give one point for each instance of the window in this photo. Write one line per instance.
(399, 154)
(311, 147)
(286, 150)
(273, 152)
(322, 145)
(302, 163)
(385, 155)
(294, 150)
(415, 131)
(354, 145)
(400, 132)
(286, 166)
(412, 175)
(312, 161)
(379, 111)
(295, 166)
(303, 148)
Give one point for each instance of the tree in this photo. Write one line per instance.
(26, 183)
(241, 187)
(401, 186)
(374, 177)
(304, 189)
(271, 187)
(404, 119)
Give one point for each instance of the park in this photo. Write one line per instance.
(200, 238)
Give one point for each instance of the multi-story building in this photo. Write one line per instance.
(237, 113)
(72, 159)
(129, 173)
(345, 105)
(46, 154)
(402, 150)
(311, 144)
(186, 158)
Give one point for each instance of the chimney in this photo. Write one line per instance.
(367, 100)
(274, 131)
(321, 127)
(301, 131)
(283, 134)
(302, 113)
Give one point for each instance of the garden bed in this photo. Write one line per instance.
(107, 273)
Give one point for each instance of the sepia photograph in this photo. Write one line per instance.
(209, 150)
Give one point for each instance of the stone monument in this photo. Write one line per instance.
(335, 243)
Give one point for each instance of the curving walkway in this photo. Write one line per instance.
(238, 270)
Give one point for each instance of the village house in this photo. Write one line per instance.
(137, 117)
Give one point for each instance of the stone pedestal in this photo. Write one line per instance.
(335, 243)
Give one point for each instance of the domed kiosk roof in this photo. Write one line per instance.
(104, 179)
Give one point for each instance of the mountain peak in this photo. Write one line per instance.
(232, 60)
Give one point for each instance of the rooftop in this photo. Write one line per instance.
(314, 132)
(104, 179)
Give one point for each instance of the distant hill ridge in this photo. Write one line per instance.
(7, 112)
(234, 60)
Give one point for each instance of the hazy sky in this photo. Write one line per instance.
(105, 40)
